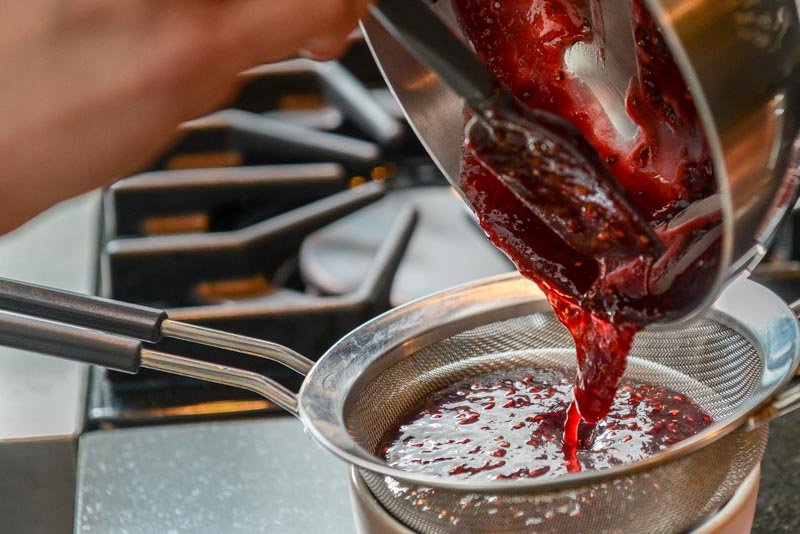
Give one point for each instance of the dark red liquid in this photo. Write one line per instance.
(509, 425)
(664, 175)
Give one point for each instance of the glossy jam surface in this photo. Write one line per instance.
(509, 425)
(554, 173)
(664, 172)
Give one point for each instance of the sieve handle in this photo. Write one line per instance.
(787, 401)
(116, 317)
(133, 321)
(126, 354)
(70, 342)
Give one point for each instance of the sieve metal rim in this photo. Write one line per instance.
(754, 311)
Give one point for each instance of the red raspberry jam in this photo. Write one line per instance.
(664, 171)
(509, 425)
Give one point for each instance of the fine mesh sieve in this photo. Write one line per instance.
(709, 362)
(731, 361)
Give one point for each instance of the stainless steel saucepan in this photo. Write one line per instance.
(734, 361)
(739, 58)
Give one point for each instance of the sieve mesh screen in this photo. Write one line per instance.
(706, 360)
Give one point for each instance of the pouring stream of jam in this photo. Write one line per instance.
(591, 249)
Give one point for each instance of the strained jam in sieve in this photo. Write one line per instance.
(665, 170)
(509, 425)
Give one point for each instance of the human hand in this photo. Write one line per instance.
(94, 89)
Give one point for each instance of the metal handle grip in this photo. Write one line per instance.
(91, 312)
(70, 342)
(433, 42)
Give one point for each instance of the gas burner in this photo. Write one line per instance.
(190, 268)
(276, 219)
(446, 249)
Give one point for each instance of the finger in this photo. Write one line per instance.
(345, 27)
(331, 46)
(327, 49)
